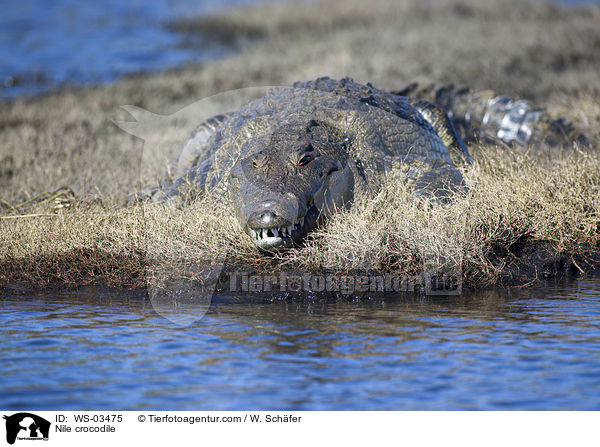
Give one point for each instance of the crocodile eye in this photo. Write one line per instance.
(306, 159)
(308, 155)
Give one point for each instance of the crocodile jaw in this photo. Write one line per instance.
(275, 238)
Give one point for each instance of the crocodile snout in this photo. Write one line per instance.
(274, 225)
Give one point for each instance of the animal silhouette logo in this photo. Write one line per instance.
(26, 426)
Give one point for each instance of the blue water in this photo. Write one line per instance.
(535, 349)
(47, 44)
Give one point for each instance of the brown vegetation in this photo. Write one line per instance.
(529, 214)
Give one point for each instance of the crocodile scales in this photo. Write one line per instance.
(288, 160)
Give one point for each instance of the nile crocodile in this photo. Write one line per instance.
(286, 161)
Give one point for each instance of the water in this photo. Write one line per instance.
(519, 350)
(44, 45)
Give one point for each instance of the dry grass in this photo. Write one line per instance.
(516, 202)
(516, 205)
(528, 214)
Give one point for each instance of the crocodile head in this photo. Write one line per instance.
(288, 181)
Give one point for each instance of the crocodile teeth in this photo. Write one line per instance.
(262, 233)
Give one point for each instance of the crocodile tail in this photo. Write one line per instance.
(487, 117)
(445, 129)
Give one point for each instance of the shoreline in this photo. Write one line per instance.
(530, 211)
(225, 27)
(90, 44)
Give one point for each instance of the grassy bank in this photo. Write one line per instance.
(530, 214)
(523, 220)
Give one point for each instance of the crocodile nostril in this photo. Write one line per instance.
(267, 217)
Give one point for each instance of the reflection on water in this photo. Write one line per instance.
(527, 349)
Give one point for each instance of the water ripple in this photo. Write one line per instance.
(98, 349)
